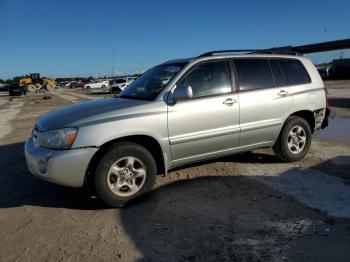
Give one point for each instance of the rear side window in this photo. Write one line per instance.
(294, 72)
(253, 74)
(277, 73)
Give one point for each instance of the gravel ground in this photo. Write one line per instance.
(246, 207)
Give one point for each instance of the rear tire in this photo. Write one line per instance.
(294, 140)
(126, 171)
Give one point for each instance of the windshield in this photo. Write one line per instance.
(118, 81)
(152, 82)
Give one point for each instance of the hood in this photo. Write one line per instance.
(87, 112)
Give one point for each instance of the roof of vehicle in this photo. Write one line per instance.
(202, 57)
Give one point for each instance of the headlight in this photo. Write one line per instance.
(56, 138)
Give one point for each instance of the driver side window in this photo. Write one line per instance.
(211, 78)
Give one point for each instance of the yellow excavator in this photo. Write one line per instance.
(33, 83)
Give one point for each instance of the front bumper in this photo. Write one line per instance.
(63, 167)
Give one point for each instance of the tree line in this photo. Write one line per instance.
(16, 79)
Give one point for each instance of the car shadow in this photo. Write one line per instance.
(237, 218)
(18, 187)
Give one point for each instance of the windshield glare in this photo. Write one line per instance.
(151, 83)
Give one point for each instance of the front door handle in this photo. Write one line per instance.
(229, 102)
(282, 93)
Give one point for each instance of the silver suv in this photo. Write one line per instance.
(180, 112)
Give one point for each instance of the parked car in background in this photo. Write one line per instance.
(16, 89)
(340, 69)
(72, 83)
(81, 83)
(97, 84)
(120, 84)
(64, 84)
(78, 84)
(323, 73)
(180, 112)
(3, 87)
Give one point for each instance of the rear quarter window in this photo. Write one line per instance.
(294, 72)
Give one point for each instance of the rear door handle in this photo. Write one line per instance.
(229, 101)
(282, 93)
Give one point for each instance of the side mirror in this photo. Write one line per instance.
(182, 93)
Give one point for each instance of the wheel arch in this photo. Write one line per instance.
(308, 115)
(149, 142)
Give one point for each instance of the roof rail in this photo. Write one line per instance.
(211, 53)
(291, 50)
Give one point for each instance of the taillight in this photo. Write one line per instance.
(326, 93)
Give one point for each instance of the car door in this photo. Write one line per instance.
(207, 124)
(265, 100)
(94, 84)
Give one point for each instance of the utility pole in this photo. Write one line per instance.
(113, 61)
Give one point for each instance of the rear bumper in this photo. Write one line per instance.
(63, 167)
(321, 118)
(325, 120)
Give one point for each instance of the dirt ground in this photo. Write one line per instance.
(246, 207)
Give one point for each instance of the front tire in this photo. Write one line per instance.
(294, 141)
(126, 171)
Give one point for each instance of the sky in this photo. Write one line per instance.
(76, 38)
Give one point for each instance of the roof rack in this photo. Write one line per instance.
(290, 50)
(211, 53)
